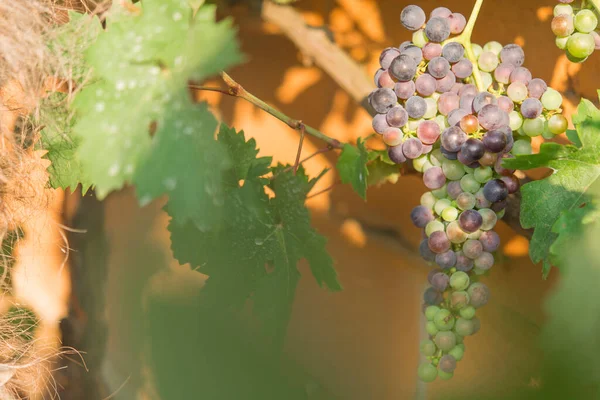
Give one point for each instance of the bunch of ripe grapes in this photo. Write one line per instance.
(575, 28)
(431, 112)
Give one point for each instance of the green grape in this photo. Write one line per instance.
(413, 124)
(547, 134)
(434, 226)
(483, 174)
(517, 91)
(428, 348)
(478, 271)
(586, 21)
(489, 219)
(464, 327)
(427, 372)
(494, 47)
(442, 121)
(468, 312)
(419, 38)
(516, 120)
(432, 108)
(445, 340)
(428, 200)
(475, 235)
(459, 340)
(430, 312)
(453, 169)
(444, 320)
(431, 328)
(563, 9)
(468, 183)
(468, 169)
(419, 162)
(534, 127)
(436, 97)
(459, 299)
(445, 375)
(477, 50)
(486, 79)
(449, 214)
(551, 99)
(561, 42)
(441, 192)
(581, 45)
(466, 201)
(440, 205)
(427, 165)
(455, 233)
(459, 280)
(436, 157)
(522, 148)
(557, 124)
(457, 352)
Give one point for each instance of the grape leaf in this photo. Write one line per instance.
(576, 170)
(381, 169)
(352, 166)
(142, 63)
(569, 227)
(253, 252)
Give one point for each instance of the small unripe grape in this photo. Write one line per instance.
(431, 328)
(427, 372)
(445, 340)
(459, 280)
(459, 299)
(430, 312)
(563, 9)
(467, 312)
(552, 99)
(444, 320)
(586, 21)
(457, 352)
(522, 147)
(464, 327)
(428, 348)
(558, 124)
(581, 45)
(562, 25)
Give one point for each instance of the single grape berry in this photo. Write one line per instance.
(438, 242)
(447, 363)
(420, 216)
(472, 150)
(437, 29)
(495, 141)
(513, 54)
(479, 294)
(396, 154)
(495, 190)
(397, 116)
(403, 68)
(470, 221)
(383, 100)
(412, 17)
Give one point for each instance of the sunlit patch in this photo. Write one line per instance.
(367, 16)
(313, 18)
(353, 232)
(520, 40)
(340, 21)
(545, 13)
(517, 246)
(295, 81)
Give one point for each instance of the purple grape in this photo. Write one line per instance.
(537, 87)
(495, 190)
(387, 56)
(472, 249)
(466, 103)
(506, 104)
(403, 68)
(454, 189)
(440, 12)
(421, 216)
(499, 205)
(472, 150)
(512, 183)
(434, 270)
(438, 242)
(427, 148)
(470, 221)
(483, 99)
(455, 116)
(492, 117)
(397, 116)
(457, 23)
(440, 280)
(447, 363)
(416, 107)
(450, 155)
(494, 141)
(479, 294)
(432, 297)
(428, 132)
(490, 241)
(404, 45)
(468, 89)
(412, 17)
(377, 76)
(453, 138)
(502, 73)
(434, 178)
(531, 108)
(463, 263)
(448, 102)
(414, 52)
(446, 260)
(383, 99)
(513, 54)
(385, 81)
(396, 154)
(432, 50)
(485, 261)
(453, 52)
(521, 74)
(425, 85)
(445, 84)
(426, 252)
(463, 68)
(380, 124)
(404, 90)
(412, 148)
(438, 67)
(437, 29)
(456, 87)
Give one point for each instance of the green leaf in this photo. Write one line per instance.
(569, 228)
(573, 137)
(254, 251)
(142, 63)
(381, 169)
(185, 162)
(576, 170)
(352, 166)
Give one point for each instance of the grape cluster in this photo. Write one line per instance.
(430, 111)
(575, 30)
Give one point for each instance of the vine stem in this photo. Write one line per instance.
(596, 4)
(465, 39)
(236, 90)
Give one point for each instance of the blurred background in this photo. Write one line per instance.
(121, 293)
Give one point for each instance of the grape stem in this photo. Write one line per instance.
(234, 89)
(465, 39)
